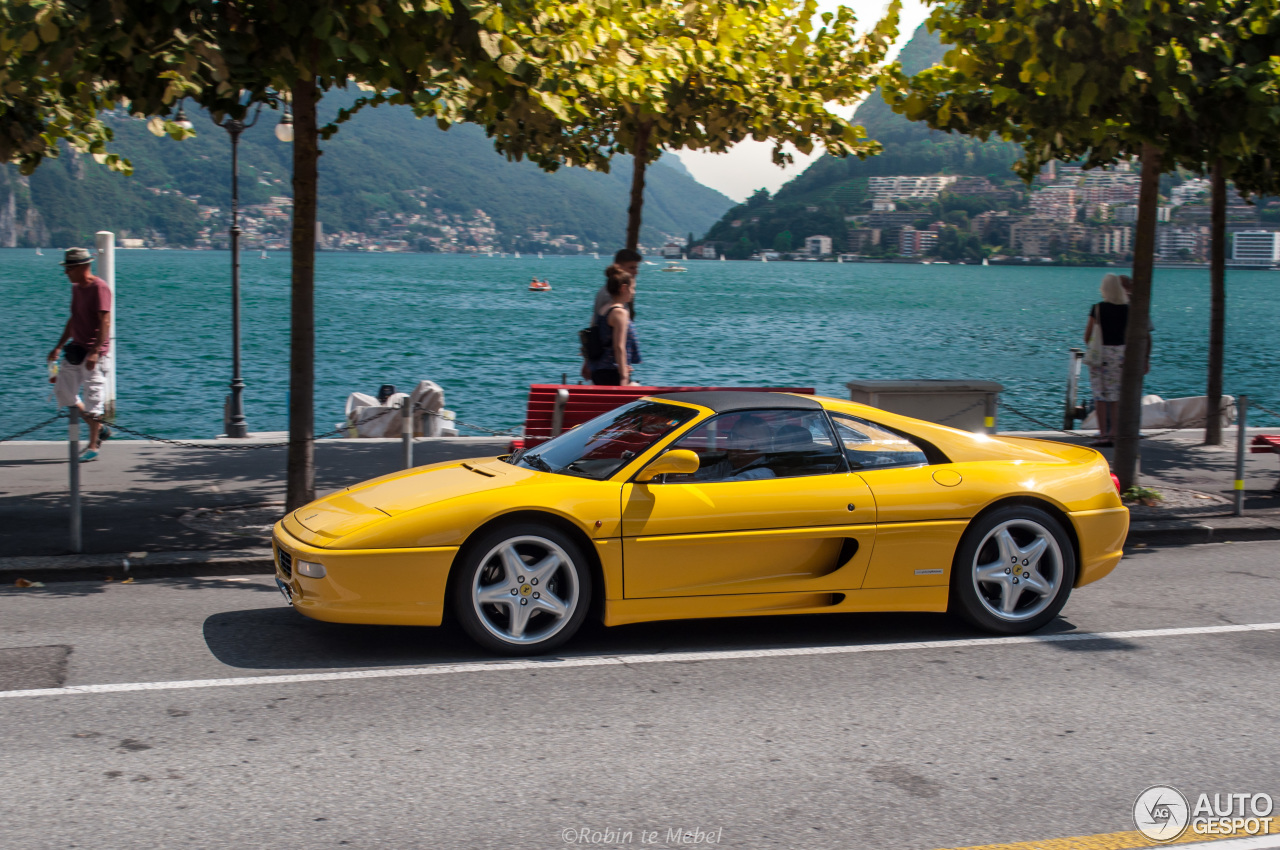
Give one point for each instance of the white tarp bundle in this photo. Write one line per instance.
(1188, 412)
(368, 418)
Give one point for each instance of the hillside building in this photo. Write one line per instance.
(1055, 202)
(1038, 236)
(1190, 191)
(897, 187)
(916, 243)
(1128, 214)
(1182, 243)
(1256, 248)
(672, 251)
(1111, 241)
(818, 246)
(859, 239)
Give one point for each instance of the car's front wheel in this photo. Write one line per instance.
(523, 589)
(1013, 571)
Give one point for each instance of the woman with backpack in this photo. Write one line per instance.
(614, 345)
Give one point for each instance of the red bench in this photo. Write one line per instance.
(555, 408)
(1266, 444)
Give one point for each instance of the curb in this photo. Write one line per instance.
(1181, 532)
(223, 562)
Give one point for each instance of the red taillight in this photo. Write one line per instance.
(1115, 479)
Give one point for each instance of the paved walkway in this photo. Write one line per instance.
(165, 500)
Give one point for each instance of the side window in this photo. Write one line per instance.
(755, 444)
(870, 446)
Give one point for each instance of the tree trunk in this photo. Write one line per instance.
(1137, 338)
(1217, 304)
(637, 185)
(301, 474)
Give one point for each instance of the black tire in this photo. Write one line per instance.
(522, 589)
(996, 564)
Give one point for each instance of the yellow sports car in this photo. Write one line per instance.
(712, 504)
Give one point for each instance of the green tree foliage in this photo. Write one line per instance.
(1091, 80)
(62, 64)
(691, 75)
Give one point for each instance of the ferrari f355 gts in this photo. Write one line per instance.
(712, 504)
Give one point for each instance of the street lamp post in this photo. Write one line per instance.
(236, 424)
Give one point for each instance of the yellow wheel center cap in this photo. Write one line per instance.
(1017, 571)
(526, 590)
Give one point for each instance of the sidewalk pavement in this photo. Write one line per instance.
(168, 510)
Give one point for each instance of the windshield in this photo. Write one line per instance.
(600, 447)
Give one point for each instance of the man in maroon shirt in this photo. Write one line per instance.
(89, 330)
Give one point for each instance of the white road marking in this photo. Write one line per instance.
(626, 660)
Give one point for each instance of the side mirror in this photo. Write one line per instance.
(680, 461)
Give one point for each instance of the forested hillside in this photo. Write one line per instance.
(384, 161)
(817, 200)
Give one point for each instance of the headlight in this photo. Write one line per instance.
(310, 569)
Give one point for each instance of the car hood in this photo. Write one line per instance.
(346, 511)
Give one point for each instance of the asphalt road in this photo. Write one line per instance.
(968, 743)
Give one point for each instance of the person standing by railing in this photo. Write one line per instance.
(629, 262)
(87, 335)
(619, 349)
(1108, 317)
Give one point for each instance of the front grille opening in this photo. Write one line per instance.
(285, 560)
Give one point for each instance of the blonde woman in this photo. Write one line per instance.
(1109, 317)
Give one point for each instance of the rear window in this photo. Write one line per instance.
(870, 446)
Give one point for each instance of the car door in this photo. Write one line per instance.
(923, 503)
(773, 508)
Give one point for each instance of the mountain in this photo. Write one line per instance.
(385, 173)
(817, 200)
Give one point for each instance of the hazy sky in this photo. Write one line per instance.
(748, 166)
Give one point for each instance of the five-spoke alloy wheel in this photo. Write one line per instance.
(1013, 571)
(523, 589)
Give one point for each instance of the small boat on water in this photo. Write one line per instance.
(722, 258)
(263, 256)
(536, 285)
(673, 266)
(39, 253)
(517, 255)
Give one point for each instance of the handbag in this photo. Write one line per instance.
(75, 353)
(1093, 349)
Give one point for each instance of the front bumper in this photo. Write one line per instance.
(390, 587)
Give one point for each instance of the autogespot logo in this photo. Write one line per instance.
(1161, 813)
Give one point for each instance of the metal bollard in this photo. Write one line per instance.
(73, 455)
(406, 432)
(1071, 408)
(1242, 437)
(989, 414)
(557, 412)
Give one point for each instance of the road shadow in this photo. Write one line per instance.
(282, 639)
(75, 589)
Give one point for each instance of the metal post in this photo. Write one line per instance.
(237, 425)
(73, 458)
(989, 413)
(1242, 437)
(1073, 388)
(557, 412)
(105, 242)
(406, 430)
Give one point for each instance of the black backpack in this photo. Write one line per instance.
(592, 344)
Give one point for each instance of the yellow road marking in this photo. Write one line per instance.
(1115, 841)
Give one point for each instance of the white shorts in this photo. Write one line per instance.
(72, 378)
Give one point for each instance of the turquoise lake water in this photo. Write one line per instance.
(469, 324)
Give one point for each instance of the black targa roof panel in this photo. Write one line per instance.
(726, 401)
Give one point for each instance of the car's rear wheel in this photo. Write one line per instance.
(1013, 571)
(523, 589)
